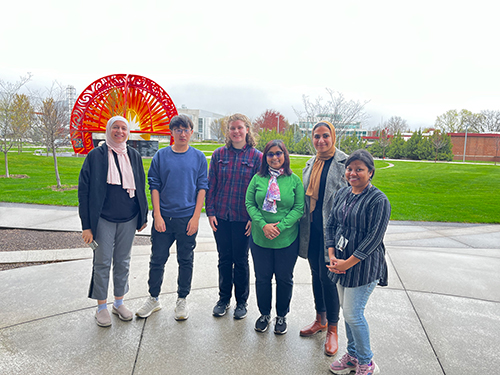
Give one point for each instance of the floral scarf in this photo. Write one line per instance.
(273, 191)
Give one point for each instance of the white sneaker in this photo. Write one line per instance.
(150, 306)
(181, 310)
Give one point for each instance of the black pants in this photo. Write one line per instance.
(160, 251)
(279, 263)
(326, 297)
(232, 246)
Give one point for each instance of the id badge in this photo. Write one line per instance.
(342, 244)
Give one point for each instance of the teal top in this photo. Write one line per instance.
(289, 210)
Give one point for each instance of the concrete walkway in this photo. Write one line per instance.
(439, 314)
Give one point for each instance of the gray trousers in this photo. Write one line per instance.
(115, 244)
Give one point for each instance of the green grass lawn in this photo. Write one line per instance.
(441, 191)
(417, 191)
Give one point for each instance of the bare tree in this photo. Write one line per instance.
(218, 128)
(490, 121)
(54, 122)
(384, 141)
(342, 113)
(8, 93)
(394, 125)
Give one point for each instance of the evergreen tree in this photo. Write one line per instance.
(425, 149)
(266, 135)
(304, 147)
(442, 146)
(447, 151)
(376, 150)
(397, 149)
(351, 143)
(411, 149)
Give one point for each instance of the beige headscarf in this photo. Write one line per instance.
(128, 182)
(319, 163)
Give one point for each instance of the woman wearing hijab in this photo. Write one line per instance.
(275, 203)
(112, 205)
(322, 176)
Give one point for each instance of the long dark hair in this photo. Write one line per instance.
(264, 167)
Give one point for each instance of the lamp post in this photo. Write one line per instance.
(465, 141)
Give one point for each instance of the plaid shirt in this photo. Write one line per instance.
(229, 174)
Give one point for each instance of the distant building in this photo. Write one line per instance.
(343, 129)
(201, 120)
(480, 146)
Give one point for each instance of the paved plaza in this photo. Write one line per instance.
(439, 314)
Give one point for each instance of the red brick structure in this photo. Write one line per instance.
(480, 146)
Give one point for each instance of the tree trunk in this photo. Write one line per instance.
(56, 169)
(6, 165)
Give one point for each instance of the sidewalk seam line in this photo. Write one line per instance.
(417, 315)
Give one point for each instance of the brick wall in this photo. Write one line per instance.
(483, 147)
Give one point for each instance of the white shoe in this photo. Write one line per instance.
(150, 306)
(181, 310)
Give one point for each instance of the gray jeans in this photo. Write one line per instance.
(115, 244)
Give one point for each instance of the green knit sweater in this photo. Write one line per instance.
(290, 209)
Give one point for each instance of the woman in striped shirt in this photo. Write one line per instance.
(355, 232)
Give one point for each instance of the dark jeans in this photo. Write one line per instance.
(232, 246)
(326, 297)
(160, 251)
(277, 262)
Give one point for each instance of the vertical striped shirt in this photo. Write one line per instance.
(363, 220)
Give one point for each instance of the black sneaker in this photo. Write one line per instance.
(262, 323)
(280, 325)
(220, 308)
(241, 311)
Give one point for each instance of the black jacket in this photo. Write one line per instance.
(92, 187)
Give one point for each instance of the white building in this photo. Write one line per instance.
(343, 129)
(201, 120)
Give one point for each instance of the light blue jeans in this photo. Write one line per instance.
(353, 302)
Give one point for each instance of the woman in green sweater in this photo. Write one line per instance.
(275, 203)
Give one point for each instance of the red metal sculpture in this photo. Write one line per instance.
(143, 102)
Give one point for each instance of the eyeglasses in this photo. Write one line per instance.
(180, 131)
(271, 154)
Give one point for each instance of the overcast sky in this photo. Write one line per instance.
(414, 60)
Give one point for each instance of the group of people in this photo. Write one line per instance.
(334, 217)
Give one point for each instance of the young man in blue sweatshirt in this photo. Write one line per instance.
(178, 182)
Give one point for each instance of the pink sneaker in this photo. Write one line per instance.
(346, 365)
(369, 369)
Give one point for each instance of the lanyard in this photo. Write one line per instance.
(345, 212)
(351, 205)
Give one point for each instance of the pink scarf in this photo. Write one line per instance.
(273, 191)
(123, 160)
